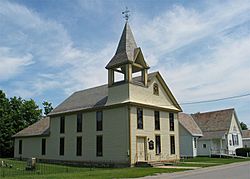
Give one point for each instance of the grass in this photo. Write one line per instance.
(50, 171)
(215, 160)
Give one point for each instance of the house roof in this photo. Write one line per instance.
(214, 124)
(90, 98)
(126, 50)
(246, 134)
(188, 123)
(40, 128)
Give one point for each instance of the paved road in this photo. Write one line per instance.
(230, 171)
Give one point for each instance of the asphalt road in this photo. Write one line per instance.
(231, 171)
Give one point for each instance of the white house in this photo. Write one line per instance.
(246, 138)
(221, 132)
(120, 123)
(189, 133)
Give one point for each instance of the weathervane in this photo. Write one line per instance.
(126, 14)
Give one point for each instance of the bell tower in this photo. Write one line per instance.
(127, 60)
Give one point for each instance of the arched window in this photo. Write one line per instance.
(156, 89)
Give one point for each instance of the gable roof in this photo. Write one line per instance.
(246, 134)
(40, 128)
(189, 124)
(214, 124)
(91, 98)
(127, 49)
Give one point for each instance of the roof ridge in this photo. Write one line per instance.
(227, 109)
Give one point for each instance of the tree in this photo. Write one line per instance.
(15, 115)
(47, 107)
(243, 126)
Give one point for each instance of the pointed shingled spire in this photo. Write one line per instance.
(125, 50)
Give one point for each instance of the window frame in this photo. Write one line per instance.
(139, 118)
(172, 145)
(62, 146)
(157, 120)
(79, 122)
(43, 152)
(171, 122)
(99, 122)
(157, 144)
(156, 89)
(79, 146)
(20, 147)
(99, 146)
(62, 124)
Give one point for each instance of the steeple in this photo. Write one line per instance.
(125, 49)
(128, 58)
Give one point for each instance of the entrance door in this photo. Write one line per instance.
(141, 149)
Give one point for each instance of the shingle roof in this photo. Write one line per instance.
(90, 98)
(40, 128)
(125, 49)
(84, 99)
(214, 124)
(245, 133)
(188, 123)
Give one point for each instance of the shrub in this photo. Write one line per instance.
(245, 152)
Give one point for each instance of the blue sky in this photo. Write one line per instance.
(51, 48)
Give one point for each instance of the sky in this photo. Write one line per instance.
(50, 48)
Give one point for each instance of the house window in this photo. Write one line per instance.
(172, 144)
(20, 147)
(99, 146)
(235, 139)
(156, 89)
(230, 142)
(43, 146)
(62, 124)
(139, 118)
(61, 149)
(99, 118)
(79, 122)
(157, 120)
(79, 146)
(204, 146)
(195, 142)
(171, 121)
(157, 144)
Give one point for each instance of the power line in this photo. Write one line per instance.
(215, 100)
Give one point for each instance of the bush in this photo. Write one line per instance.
(245, 152)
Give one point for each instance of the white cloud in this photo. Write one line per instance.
(11, 65)
(221, 69)
(26, 33)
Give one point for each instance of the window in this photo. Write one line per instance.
(230, 142)
(157, 120)
(235, 139)
(195, 142)
(171, 121)
(20, 147)
(157, 144)
(79, 122)
(62, 124)
(99, 146)
(99, 118)
(156, 89)
(61, 150)
(79, 146)
(139, 118)
(204, 146)
(43, 146)
(172, 144)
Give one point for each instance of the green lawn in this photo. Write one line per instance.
(214, 160)
(50, 171)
